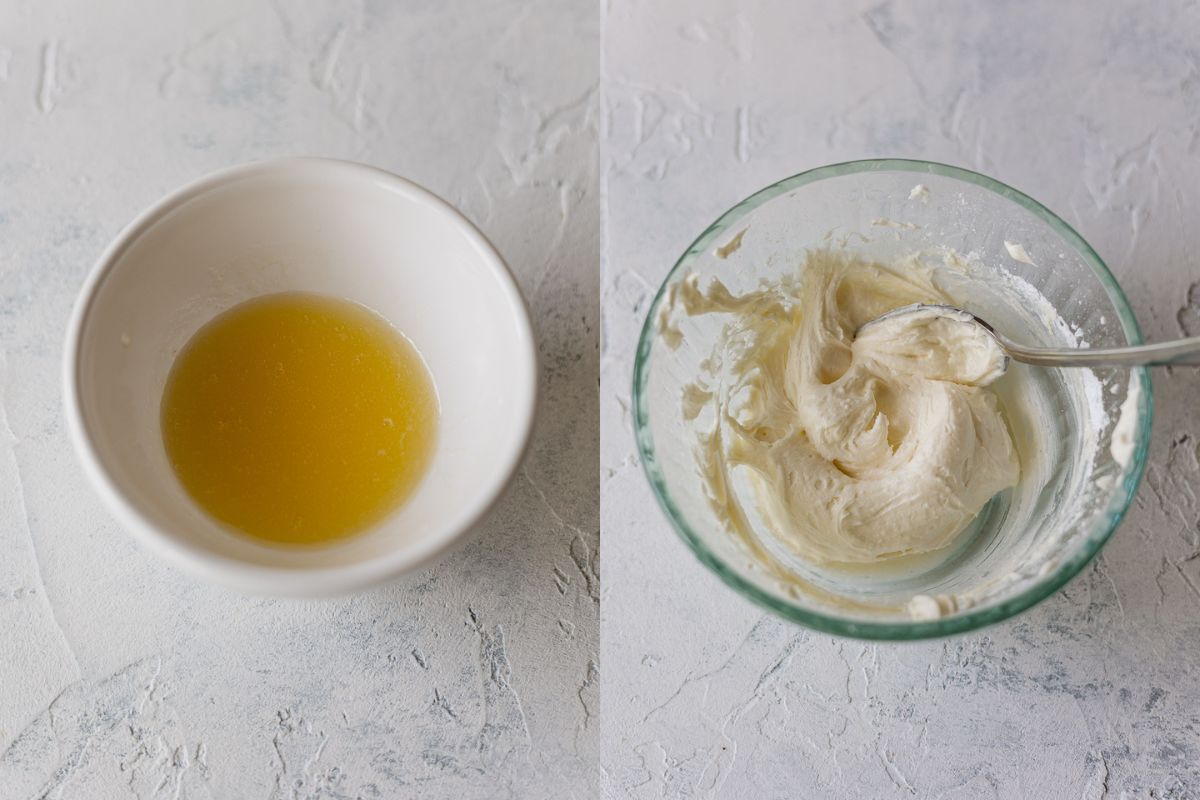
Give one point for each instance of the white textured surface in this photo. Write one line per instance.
(1092, 108)
(122, 678)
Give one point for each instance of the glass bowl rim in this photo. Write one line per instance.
(900, 630)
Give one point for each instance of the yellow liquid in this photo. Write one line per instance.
(298, 419)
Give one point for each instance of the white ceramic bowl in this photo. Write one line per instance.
(315, 225)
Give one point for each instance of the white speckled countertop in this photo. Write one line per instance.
(1093, 108)
(119, 677)
(480, 677)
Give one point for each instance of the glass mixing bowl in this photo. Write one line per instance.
(1026, 543)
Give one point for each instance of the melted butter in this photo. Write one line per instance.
(299, 419)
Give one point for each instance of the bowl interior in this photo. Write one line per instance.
(316, 226)
(1027, 542)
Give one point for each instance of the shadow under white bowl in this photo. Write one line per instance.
(314, 225)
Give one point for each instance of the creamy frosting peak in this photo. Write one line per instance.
(857, 448)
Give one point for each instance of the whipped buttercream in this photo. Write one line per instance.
(857, 448)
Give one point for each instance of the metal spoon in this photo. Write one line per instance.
(1181, 351)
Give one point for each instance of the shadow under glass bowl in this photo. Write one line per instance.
(875, 209)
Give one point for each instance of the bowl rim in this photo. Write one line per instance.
(900, 630)
(264, 579)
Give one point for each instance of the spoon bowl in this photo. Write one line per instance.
(1180, 352)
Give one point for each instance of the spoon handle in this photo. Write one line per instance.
(1179, 352)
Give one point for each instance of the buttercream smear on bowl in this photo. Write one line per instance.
(833, 453)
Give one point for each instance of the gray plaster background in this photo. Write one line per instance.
(475, 678)
(1093, 108)
(479, 677)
